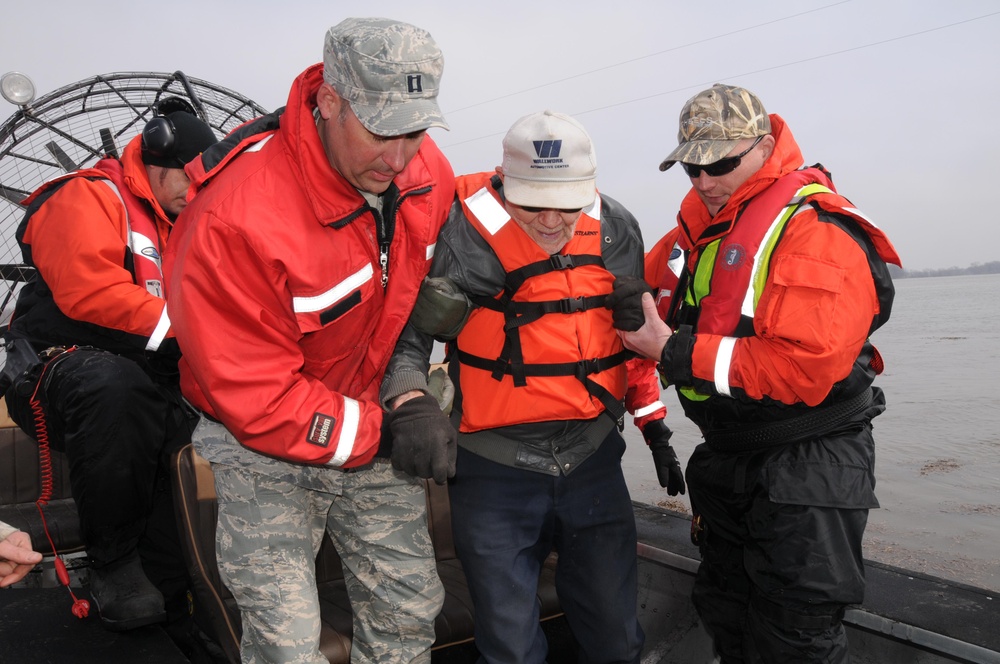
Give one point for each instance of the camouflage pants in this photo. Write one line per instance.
(269, 533)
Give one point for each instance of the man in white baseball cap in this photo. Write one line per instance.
(540, 379)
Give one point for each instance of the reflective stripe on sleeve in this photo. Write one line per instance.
(348, 432)
(430, 250)
(651, 408)
(160, 331)
(724, 360)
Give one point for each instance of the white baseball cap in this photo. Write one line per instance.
(549, 162)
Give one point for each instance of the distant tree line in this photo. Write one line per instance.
(993, 267)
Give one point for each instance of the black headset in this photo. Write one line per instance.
(159, 136)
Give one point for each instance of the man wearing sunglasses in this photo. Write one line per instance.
(540, 379)
(775, 283)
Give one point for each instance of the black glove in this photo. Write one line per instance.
(424, 443)
(668, 469)
(625, 302)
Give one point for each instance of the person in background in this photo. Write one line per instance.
(92, 361)
(17, 558)
(540, 379)
(771, 285)
(294, 269)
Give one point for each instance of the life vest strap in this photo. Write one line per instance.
(581, 369)
(554, 263)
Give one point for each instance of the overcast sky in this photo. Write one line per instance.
(898, 98)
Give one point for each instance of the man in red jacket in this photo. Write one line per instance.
(294, 270)
(770, 286)
(106, 389)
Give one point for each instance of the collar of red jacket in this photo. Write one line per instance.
(695, 222)
(137, 179)
(332, 197)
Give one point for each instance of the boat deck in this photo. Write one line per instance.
(928, 618)
(906, 617)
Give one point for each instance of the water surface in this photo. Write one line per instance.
(937, 445)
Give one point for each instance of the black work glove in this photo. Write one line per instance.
(625, 302)
(668, 468)
(424, 443)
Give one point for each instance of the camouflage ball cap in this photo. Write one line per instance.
(714, 121)
(388, 71)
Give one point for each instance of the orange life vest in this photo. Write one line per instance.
(143, 237)
(544, 348)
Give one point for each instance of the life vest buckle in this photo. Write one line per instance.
(571, 305)
(561, 262)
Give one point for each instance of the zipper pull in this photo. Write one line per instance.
(383, 260)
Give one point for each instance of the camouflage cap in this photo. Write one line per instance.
(714, 121)
(388, 71)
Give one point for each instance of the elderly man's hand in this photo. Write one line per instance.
(649, 339)
(625, 302)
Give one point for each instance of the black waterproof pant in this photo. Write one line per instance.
(118, 428)
(781, 551)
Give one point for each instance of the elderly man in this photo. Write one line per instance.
(776, 283)
(540, 379)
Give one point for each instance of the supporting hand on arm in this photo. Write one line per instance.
(649, 339)
(424, 443)
(625, 303)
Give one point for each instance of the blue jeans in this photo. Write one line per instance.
(506, 521)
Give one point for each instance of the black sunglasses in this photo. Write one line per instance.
(536, 210)
(721, 167)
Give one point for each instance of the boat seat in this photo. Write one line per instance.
(215, 608)
(21, 486)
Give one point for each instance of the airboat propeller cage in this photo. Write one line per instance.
(78, 124)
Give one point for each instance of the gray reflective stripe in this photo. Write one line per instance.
(160, 331)
(724, 355)
(675, 265)
(488, 210)
(651, 408)
(259, 144)
(748, 306)
(304, 305)
(723, 361)
(114, 188)
(348, 432)
(136, 241)
(430, 250)
(859, 213)
(493, 216)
